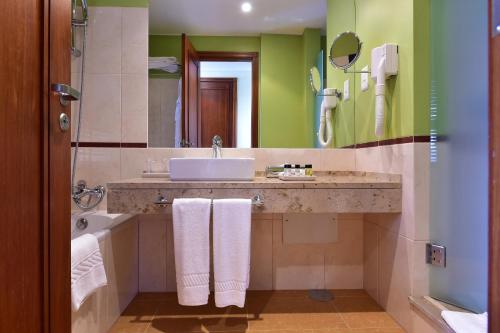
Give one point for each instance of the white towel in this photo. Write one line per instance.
(87, 269)
(463, 322)
(232, 239)
(192, 250)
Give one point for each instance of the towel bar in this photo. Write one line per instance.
(257, 201)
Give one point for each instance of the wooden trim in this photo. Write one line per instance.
(390, 142)
(494, 179)
(46, 325)
(252, 57)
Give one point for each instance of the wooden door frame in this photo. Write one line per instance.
(233, 120)
(494, 177)
(252, 57)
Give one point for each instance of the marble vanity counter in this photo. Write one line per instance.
(331, 192)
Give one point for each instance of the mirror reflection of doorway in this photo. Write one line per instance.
(241, 72)
(218, 111)
(239, 125)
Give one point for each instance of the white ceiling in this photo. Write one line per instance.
(224, 17)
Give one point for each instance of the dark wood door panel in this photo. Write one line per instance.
(218, 110)
(21, 166)
(190, 92)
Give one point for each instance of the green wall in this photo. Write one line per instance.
(403, 22)
(341, 16)
(286, 116)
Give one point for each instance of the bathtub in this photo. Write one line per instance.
(118, 241)
(98, 221)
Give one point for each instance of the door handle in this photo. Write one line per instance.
(66, 93)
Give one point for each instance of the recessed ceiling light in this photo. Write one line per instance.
(246, 7)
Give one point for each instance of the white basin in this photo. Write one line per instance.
(212, 168)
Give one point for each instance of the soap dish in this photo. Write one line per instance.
(155, 174)
(298, 178)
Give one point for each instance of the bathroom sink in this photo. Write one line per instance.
(212, 169)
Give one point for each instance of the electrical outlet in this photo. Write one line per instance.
(436, 255)
(347, 94)
(364, 79)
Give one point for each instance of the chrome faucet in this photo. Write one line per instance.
(216, 147)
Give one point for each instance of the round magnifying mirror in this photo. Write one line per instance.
(315, 79)
(345, 50)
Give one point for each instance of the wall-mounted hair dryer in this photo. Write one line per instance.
(384, 65)
(329, 102)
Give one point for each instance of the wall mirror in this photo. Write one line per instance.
(241, 74)
(315, 80)
(345, 50)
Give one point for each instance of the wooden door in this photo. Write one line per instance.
(190, 92)
(218, 111)
(59, 171)
(34, 167)
(494, 230)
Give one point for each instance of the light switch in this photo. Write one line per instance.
(346, 96)
(364, 79)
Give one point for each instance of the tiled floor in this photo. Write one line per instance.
(351, 311)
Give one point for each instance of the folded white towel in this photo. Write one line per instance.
(87, 269)
(232, 239)
(463, 322)
(192, 250)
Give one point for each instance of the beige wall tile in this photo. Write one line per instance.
(104, 41)
(371, 260)
(267, 157)
(395, 267)
(344, 259)
(422, 191)
(124, 247)
(401, 159)
(420, 270)
(171, 278)
(291, 264)
(134, 108)
(101, 118)
(152, 253)
(135, 22)
(261, 261)
(98, 166)
(337, 160)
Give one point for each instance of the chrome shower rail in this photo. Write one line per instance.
(257, 201)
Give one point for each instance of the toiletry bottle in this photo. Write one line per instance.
(309, 170)
(287, 170)
(302, 171)
(297, 170)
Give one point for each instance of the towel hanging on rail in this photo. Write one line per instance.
(166, 64)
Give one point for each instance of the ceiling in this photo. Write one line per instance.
(225, 18)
